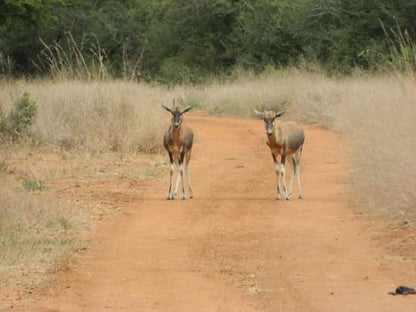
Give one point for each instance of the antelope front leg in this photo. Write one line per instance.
(181, 173)
(283, 174)
(178, 179)
(277, 168)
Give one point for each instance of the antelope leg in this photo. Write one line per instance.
(276, 166)
(171, 169)
(188, 175)
(178, 180)
(283, 175)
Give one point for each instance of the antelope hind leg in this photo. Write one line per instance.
(297, 171)
(188, 175)
(292, 173)
(171, 169)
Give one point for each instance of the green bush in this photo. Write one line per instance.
(22, 115)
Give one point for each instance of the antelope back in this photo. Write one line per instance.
(188, 137)
(293, 134)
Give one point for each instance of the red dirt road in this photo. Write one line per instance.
(233, 247)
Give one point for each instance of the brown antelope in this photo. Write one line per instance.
(178, 142)
(285, 139)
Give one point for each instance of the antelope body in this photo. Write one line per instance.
(178, 142)
(284, 139)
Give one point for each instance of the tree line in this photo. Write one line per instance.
(186, 40)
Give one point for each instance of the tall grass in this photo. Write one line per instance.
(95, 116)
(84, 60)
(73, 60)
(402, 48)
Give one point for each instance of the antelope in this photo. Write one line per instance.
(178, 142)
(285, 139)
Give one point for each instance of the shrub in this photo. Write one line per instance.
(33, 185)
(22, 115)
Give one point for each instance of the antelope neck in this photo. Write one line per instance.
(273, 138)
(176, 131)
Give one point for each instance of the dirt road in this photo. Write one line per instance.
(233, 247)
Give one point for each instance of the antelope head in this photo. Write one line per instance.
(176, 114)
(269, 117)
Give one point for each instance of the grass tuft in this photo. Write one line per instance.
(30, 185)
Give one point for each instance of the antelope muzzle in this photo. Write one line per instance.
(269, 125)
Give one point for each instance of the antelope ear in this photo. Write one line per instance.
(187, 109)
(259, 114)
(278, 114)
(167, 108)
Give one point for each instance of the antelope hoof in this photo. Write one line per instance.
(183, 197)
(191, 196)
(300, 196)
(277, 197)
(287, 198)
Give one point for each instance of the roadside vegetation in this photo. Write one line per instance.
(54, 136)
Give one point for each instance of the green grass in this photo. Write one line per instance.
(31, 185)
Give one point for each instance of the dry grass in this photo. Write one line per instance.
(94, 116)
(39, 231)
(40, 226)
(377, 114)
(38, 234)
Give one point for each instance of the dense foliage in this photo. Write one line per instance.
(177, 40)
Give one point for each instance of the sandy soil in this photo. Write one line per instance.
(233, 247)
